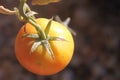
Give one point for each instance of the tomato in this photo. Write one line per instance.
(40, 62)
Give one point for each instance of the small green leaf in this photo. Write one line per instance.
(34, 46)
(56, 39)
(31, 13)
(48, 48)
(33, 36)
(66, 23)
(28, 12)
(57, 18)
(47, 29)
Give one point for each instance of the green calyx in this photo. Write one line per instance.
(45, 41)
(24, 13)
(41, 40)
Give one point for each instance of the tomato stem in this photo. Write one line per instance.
(31, 20)
(41, 33)
(21, 11)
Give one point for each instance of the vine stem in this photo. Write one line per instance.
(31, 20)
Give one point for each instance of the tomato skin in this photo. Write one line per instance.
(40, 62)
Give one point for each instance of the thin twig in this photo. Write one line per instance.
(4, 10)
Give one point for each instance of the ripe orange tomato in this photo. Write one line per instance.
(40, 62)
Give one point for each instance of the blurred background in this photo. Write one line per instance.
(97, 43)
